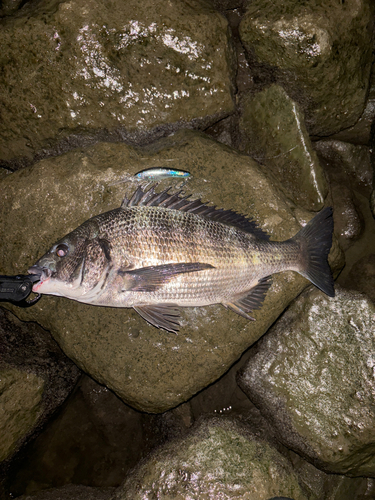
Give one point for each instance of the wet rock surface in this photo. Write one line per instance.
(21, 395)
(77, 74)
(218, 459)
(312, 377)
(321, 55)
(362, 276)
(346, 164)
(275, 135)
(94, 71)
(360, 133)
(149, 369)
(35, 379)
(92, 419)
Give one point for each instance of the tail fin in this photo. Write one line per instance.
(315, 240)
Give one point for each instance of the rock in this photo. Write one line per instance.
(348, 223)
(312, 378)
(360, 132)
(320, 54)
(362, 276)
(218, 459)
(94, 71)
(222, 131)
(72, 492)
(21, 396)
(9, 7)
(350, 173)
(276, 136)
(331, 486)
(150, 369)
(346, 164)
(96, 439)
(35, 379)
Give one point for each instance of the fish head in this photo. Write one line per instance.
(72, 266)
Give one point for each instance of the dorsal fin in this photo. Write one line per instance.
(149, 198)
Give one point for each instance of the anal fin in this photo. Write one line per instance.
(165, 316)
(253, 299)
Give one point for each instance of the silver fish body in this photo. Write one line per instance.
(159, 251)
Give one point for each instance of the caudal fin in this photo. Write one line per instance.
(315, 240)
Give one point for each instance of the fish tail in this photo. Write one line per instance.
(315, 241)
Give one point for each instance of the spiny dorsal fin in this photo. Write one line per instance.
(149, 198)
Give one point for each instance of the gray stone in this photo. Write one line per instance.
(276, 136)
(312, 377)
(218, 459)
(122, 71)
(320, 53)
(150, 369)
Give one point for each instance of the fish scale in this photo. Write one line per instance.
(147, 231)
(156, 258)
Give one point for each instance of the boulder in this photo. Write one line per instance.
(150, 369)
(115, 71)
(319, 52)
(218, 459)
(312, 377)
(275, 135)
(35, 379)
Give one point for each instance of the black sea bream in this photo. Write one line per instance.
(160, 251)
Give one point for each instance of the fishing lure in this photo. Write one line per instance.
(157, 173)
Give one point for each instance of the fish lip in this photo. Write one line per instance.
(43, 273)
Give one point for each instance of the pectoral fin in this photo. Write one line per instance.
(165, 316)
(253, 300)
(150, 279)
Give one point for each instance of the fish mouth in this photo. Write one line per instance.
(43, 273)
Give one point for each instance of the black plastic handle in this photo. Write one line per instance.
(16, 289)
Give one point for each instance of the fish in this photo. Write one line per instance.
(161, 173)
(162, 251)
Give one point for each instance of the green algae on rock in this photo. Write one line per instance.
(276, 135)
(217, 459)
(129, 70)
(312, 377)
(35, 379)
(319, 52)
(20, 407)
(149, 369)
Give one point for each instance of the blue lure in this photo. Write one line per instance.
(161, 173)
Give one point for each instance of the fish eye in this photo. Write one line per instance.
(61, 250)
